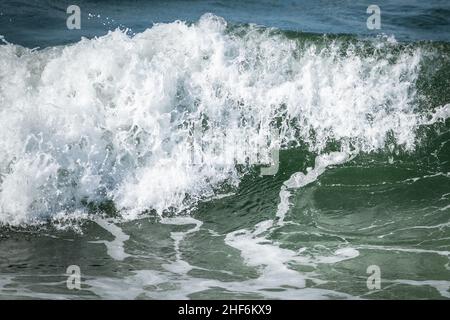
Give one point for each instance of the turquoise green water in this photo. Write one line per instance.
(95, 172)
(394, 214)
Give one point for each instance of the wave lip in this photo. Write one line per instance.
(110, 119)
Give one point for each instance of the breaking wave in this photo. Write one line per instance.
(111, 123)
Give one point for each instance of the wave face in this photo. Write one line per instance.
(110, 122)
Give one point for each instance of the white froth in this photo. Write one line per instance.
(115, 248)
(110, 119)
(300, 179)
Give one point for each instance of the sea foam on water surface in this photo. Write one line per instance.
(110, 118)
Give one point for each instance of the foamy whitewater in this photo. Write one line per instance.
(111, 119)
(212, 159)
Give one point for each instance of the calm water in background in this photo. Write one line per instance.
(43, 23)
(388, 207)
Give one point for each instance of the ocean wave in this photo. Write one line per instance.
(115, 122)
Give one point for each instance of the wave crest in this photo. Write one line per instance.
(112, 118)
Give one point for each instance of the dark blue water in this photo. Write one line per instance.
(41, 23)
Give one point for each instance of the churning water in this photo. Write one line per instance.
(97, 138)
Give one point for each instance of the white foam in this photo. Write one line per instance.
(115, 248)
(444, 253)
(179, 265)
(439, 114)
(110, 118)
(275, 280)
(300, 179)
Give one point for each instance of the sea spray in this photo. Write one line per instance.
(108, 119)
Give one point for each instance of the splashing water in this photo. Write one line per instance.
(109, 119)
(176, 119)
